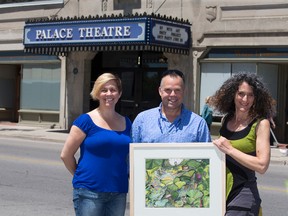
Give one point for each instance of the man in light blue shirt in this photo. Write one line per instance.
(171, 121)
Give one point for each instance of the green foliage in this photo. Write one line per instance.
(181, 184)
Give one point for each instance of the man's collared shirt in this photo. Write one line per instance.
(151, 126)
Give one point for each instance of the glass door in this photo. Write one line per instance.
(140, 73)
(140, 91)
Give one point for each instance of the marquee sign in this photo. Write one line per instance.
(82, 32)
(135, 33)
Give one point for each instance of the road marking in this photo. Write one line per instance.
(30, 160)
(277, 189)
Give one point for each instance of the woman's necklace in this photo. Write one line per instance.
(240, 124)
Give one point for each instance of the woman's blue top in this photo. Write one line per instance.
(102, 165)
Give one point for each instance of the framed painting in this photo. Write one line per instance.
(176, 179)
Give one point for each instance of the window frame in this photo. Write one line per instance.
(32, 3)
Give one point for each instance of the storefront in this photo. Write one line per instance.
(28, 82)
(218, 64)
(137, 48)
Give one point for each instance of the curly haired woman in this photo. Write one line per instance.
(244, 138)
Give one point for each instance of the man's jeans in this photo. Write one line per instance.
(89, 203)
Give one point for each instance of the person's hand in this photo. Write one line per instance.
(223, 144)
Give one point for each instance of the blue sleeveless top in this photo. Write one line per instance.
(103, 165)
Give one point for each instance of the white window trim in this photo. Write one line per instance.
(34, 3)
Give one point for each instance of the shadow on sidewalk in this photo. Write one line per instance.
(59, 131)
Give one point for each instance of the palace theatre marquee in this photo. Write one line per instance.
(129, 33)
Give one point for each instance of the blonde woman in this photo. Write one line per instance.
(100, 176)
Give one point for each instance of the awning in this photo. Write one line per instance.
(107, 33)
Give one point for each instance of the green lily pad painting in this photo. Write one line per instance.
(177, 183)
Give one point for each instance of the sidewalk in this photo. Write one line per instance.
(13, 130)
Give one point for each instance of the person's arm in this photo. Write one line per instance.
(72, 144)
(258, 163)
(272, 122)
(204, 110)
(136, 130)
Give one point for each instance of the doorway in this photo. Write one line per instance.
(9, 92)
(140, 73)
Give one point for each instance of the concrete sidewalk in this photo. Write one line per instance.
(13, 130)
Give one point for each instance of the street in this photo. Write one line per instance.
(273, 190)
(34, 181)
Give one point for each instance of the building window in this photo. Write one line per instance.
(124, 4)
(40, 87)
(213, 76)
(25, 3)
